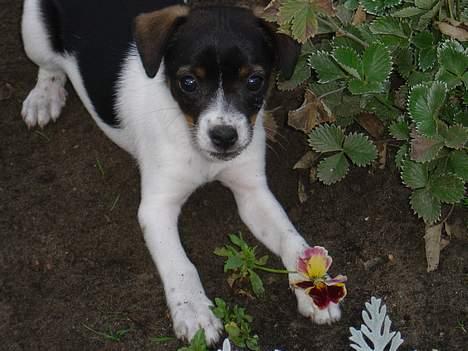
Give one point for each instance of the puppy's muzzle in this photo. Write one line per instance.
(223, 137)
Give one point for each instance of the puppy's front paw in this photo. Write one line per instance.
(190, 314)
(328, 315)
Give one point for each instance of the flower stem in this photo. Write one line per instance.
(272, 270)
(332, 24)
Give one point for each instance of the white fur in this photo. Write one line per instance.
(153, 129)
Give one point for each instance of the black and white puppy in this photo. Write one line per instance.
(182, 90)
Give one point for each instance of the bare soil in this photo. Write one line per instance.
(72, 256)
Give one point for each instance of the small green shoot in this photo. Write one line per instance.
(236, 324)
(162, 339)
(242, 262)
(115, 336)
(461, 326)
(198, 343)
(100, 168)
(42, 135)
(115, 202)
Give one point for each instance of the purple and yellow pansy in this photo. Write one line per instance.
(318, 285)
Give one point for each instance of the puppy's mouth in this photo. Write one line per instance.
(226, 155)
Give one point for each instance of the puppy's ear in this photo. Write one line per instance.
(152, 32)
(286, 48)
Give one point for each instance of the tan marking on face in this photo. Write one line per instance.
(253, 119)
(189, 119)
(200, 72)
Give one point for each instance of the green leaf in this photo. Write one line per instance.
(404, 61)
(333, 168)
(399, 129)
(302, 18)
(401, 155)
(453, 58)
(326, 69)
(359, 149)
(427, 58)
(233, 263)
(256, 283)
(458, 163)
(424, 149)
(424, 4)
(423, 40)
(425, 205)
(326, 138)
(456, 137)
(222, 251)
(377, 7)
(360, 87)
(300, 75)
(237, 240)
(424, 104)
(377, 63)
(447, 188)
(409, 11)
(262, 260)
(450, 79)
(389, 26)
(414, 175)
(349, 60)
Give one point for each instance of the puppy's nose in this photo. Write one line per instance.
(223, 137)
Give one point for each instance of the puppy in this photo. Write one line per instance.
(182, 90)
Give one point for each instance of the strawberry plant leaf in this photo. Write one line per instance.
(359, 149)
(425, 205)
(389, 26)
(456, 136)
(447, 188)
(423, 40)
(326, 69)
(377, 63)
(301, 17)
(414, 175)
(326, 138)
(458, 163)
(360, 87)
(399, 129)
(350, 61)
(427, 59)
(409, 11)
(424, 104)
(377, 7)
(401, 155)
(424, 4)
(453, 58)
(333, 168)
(424, 149)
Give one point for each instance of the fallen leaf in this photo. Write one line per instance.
(382, 153)
(301, 192)
(311, 113)
(313, 175)
(371, 124)
(444, 243)
(424, 149)
(325, 6)
(454, 29)
(359, 16)
(432, 239)
(307, 161)
(270, 125)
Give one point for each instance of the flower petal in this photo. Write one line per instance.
(306, 284)
(316, 266)
(337, 292)
(316, 251)
(338, 279)
(319, 294)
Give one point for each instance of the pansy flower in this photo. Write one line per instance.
(318, 285)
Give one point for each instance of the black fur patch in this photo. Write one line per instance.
(98, 33)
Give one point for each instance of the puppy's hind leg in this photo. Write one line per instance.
(45, 102)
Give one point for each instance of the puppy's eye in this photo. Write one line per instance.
(255, 82)
(188, 83)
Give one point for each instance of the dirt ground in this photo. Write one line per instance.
(72, 257)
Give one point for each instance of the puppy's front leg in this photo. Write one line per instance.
(188, 304)
(267, 220)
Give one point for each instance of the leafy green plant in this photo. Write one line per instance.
(403, 65)
(198, 343)
(242, 262)
(402, 61)
(111, 335)
(236, 324)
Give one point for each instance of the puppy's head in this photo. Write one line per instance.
(219, 61)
